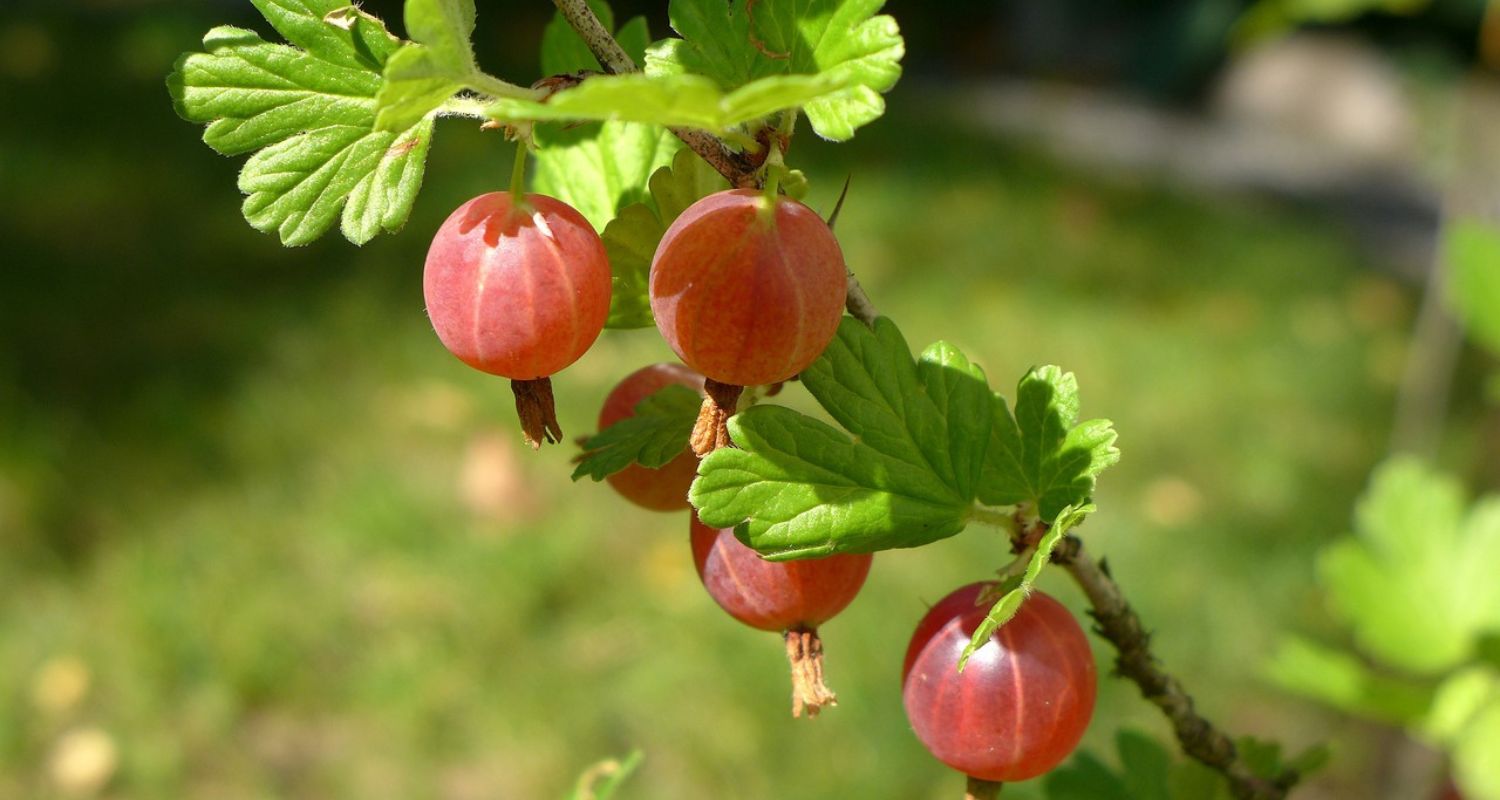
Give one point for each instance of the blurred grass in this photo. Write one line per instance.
(263, 537)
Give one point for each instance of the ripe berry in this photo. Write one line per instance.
(794, 597)
(519, 290)
(664, 488)
(1023, 700)
(748, 291)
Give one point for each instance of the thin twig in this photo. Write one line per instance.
(741, 170)
(1118, 623)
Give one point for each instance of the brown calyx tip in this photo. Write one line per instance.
(537, 412)
(712, 429)
(804, 651)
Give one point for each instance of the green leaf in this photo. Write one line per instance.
(1009, 603)
(657, 433)
(1038, 455)
(1343, 682)
(311, 114)
(842, 40)
(298, 187)
(1473, 250)
(631, 237)
(600, 169)
(432, 67)
(1416, 581)
(797, 487)
(670, 100)
(602, 780)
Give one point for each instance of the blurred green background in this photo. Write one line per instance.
(261, 536)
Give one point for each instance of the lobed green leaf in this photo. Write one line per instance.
(1040, 455)
(797, 487)
(310, 113)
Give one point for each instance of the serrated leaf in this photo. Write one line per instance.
(1473, 254)
(839, 39)
(657, 433)
(310, 112)
(1416, 582)
(437, 63)
(669, 100)
(796, 487)
(332, 31)
(1006, 607)
(298, 187)
(253, 93)
(1342, 681)
(602, 780)
(1040, 455)
(631, 237)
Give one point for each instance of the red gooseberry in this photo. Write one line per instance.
(519, 290)
(748, 290)
(1024, 698)
(793, 597)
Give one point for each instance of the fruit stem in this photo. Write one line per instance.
(774, 166)
(537, 411)
(979, 789)
(518, 177)
(804, 651)
(711, 432)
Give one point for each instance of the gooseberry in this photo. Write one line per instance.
(1024, 698)
(792, 597)
(664, 488)
(521, 290)
(746, 289)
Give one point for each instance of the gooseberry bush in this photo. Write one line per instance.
(661, 194)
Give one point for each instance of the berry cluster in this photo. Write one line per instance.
(748, 289)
